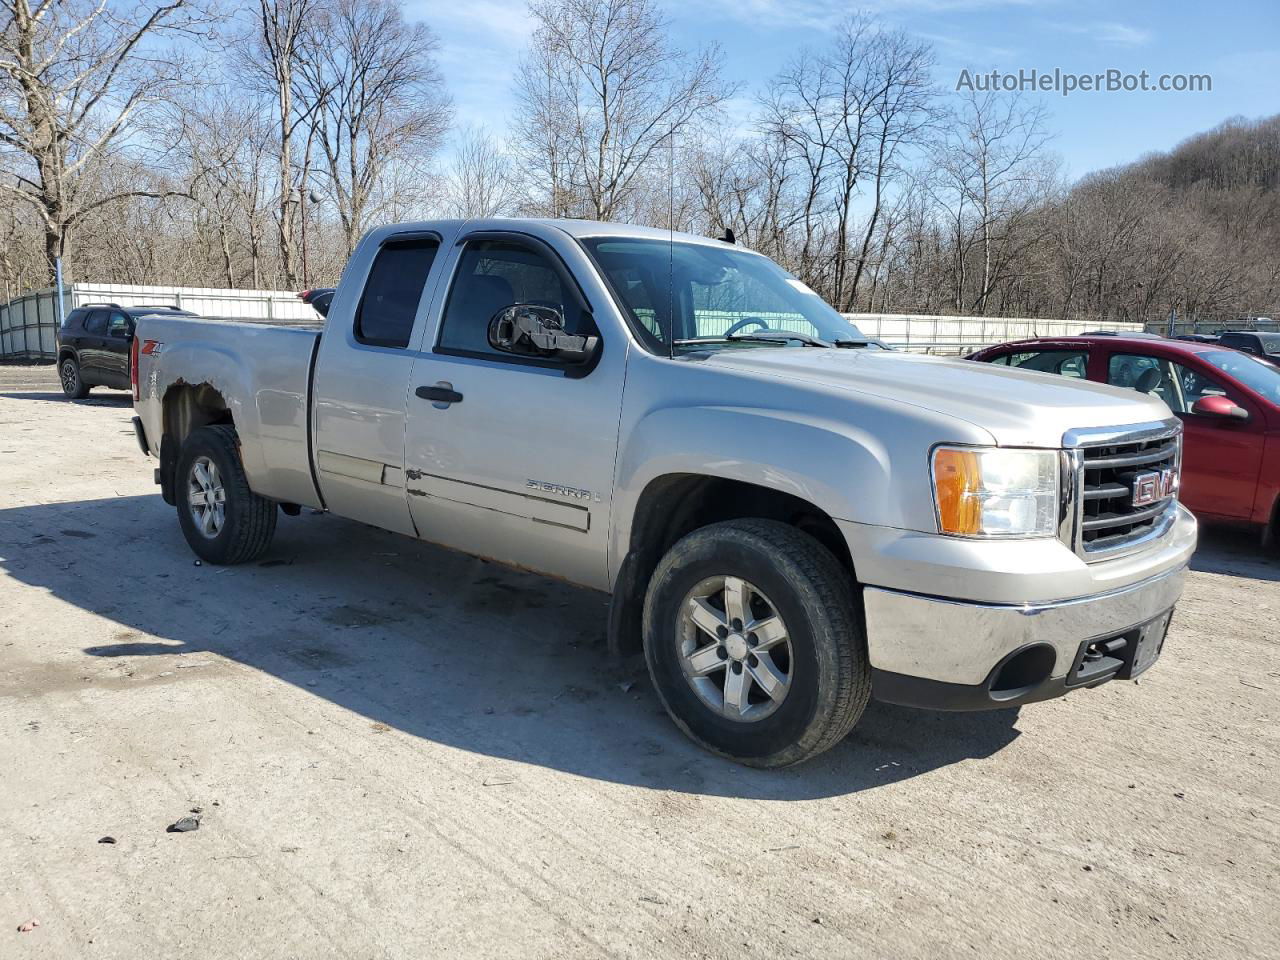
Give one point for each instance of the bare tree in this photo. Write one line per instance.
(379, 98)
(272, 57)
(479, 182)
(847, 115)
(601, 95)
(992, 161)
(74, 75)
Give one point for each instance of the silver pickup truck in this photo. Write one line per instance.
(789, 518)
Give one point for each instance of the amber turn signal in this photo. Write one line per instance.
(957, 480)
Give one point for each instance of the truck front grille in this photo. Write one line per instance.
(1127, 491)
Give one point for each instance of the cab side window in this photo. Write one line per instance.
(96, 322)
(389, 303)
(494, 274)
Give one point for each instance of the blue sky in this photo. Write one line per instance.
(1237, 42)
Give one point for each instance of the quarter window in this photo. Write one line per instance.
(493, 274)
(1066, 363)
(391, 295)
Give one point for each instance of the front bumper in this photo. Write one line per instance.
(945, 653)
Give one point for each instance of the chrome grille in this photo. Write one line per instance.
(1110, 466)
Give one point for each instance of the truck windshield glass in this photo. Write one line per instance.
(1254, 373)
(706, 297)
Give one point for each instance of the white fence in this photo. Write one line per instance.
(958, 335)
(29, 324)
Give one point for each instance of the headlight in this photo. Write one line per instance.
(996, 493)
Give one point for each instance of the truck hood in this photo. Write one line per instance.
(1017, 407)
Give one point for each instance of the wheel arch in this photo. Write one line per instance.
(675, 504)
(184, 408)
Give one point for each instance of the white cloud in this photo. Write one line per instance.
(1108, 33)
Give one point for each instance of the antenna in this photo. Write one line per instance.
(671, 244)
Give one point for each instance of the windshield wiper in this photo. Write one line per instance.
(779, 337)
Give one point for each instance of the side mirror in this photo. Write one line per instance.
(1219, 406)
(531, 330)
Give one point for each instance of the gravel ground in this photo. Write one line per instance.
(398, 751)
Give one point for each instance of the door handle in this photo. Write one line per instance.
(442, 394)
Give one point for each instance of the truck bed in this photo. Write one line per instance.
(263, 370)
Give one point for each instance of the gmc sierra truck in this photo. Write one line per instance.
(789, 518)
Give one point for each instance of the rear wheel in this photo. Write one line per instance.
(223, 520)
(754, 642)
(73, 384)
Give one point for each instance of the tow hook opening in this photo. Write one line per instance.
(1022, 672)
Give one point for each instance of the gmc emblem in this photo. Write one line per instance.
(1154, 486)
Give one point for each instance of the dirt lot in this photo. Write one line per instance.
(398, 751)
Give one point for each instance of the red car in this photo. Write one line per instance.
(1228, 401)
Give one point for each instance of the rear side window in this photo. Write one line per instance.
(118, 324)
(97, 322)
(389, 303)
(1066, 363)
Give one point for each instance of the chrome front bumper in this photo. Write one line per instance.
(949, 654)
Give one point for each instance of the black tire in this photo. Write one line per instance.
(249, 521)
(73, 384)
(830, 675)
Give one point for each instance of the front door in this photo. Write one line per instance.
(115, 350)
(519, 465)
(1221, 458)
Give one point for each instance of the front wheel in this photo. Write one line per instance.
(223, 520)
(754, 642)
(73, 384)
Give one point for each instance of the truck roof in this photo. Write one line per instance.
(577, 229)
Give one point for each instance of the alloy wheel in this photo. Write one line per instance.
(734, 648)
(206, 497)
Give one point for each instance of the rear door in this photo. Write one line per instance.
(1221, 458)
(362, 378)
(91, 347)
(520, 467)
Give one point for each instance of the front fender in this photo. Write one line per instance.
(840, 468)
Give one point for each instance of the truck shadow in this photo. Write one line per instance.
(430, 642)
(102, 399)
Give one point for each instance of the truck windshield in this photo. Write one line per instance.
(691, 296)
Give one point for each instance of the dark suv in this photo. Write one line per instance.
(93, 345)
